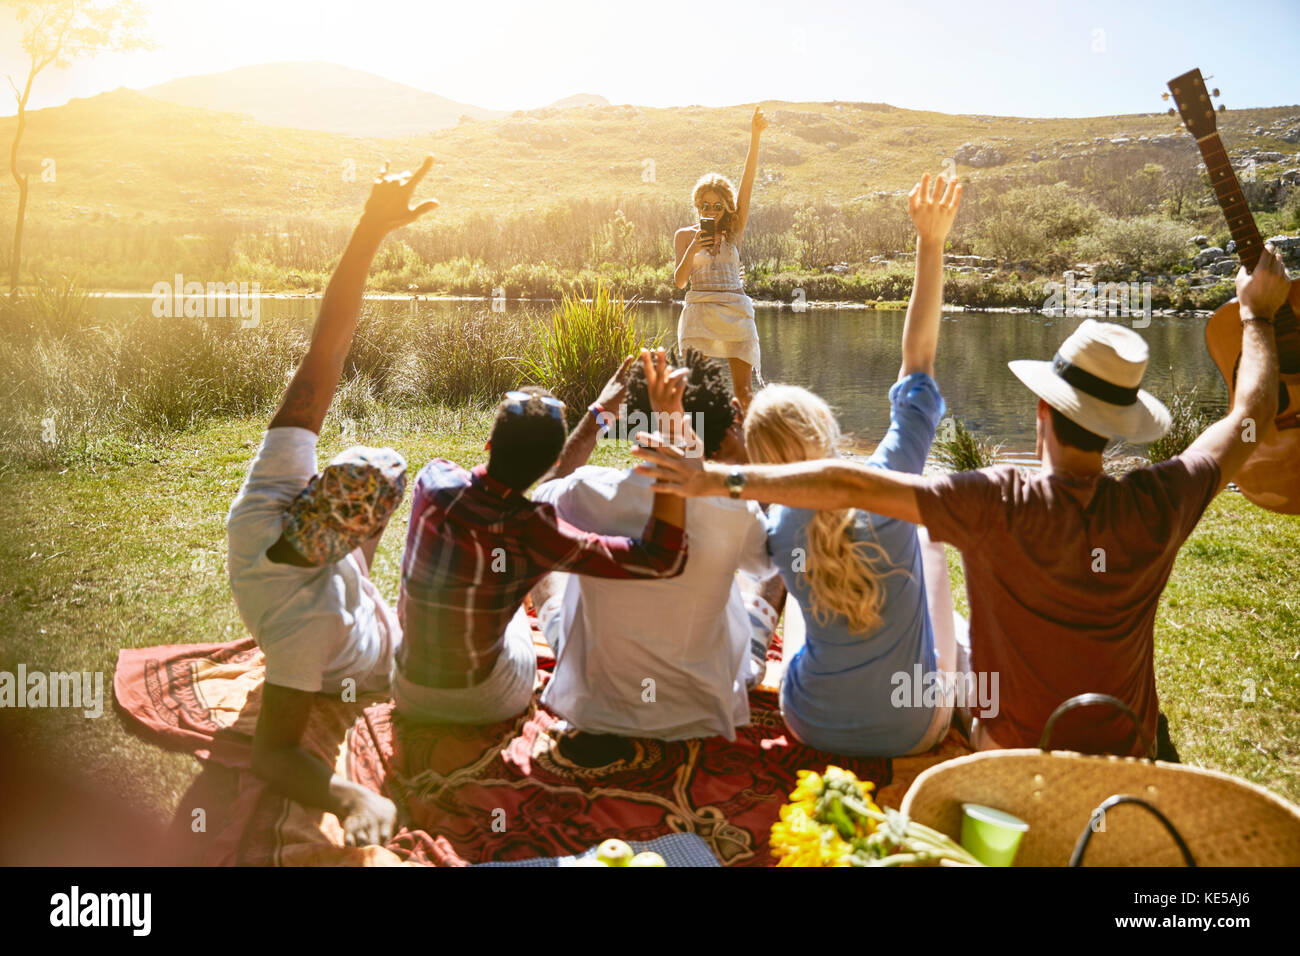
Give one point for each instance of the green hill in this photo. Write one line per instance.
(126, 155)
(126, 164)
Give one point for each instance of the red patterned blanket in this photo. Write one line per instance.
(467, 794)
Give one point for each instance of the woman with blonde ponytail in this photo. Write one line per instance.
(858, 577)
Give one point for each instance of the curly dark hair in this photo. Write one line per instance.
(707, 398)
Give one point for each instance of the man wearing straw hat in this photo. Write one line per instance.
(301, 541)
(1064, 568)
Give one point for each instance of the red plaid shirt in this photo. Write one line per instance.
(475, 548)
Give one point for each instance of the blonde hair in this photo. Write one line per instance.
(723, 186)
(786, 423)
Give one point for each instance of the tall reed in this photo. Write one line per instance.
(581, 344)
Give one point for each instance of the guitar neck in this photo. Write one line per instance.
(1232, 200)
(1241, 223)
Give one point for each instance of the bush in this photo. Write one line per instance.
(1142, 245)
(956, 448)
(473, 358)
(1035, 223)
(581, 344)
(1188, 423)
(78, 389)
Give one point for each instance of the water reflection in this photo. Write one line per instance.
(851, 358)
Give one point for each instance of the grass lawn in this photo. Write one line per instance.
(130, 552)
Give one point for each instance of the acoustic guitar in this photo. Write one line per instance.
(1271, 477)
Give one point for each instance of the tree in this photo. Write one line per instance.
(819, 231)
(56, 33)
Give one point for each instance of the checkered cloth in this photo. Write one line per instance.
(677, 849)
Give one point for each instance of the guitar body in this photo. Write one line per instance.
(1271, 477)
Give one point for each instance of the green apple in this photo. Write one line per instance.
(614, 853)
(647, 858)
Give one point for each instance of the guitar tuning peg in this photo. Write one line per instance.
(1215, 92)
(1171, 111)
(1164, 95)
(1223, 108)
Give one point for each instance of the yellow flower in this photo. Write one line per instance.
(809, 786)
(797, 838)
(801, 838)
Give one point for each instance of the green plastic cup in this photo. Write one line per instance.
(991, 836)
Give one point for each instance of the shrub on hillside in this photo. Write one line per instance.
(1125, 247)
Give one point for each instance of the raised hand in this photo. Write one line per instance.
(615, 390)
(1262, 292)
(758, 122)
(667, 386)
(933, 210)
(674, 470)
(389, 206)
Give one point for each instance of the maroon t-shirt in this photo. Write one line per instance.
(1064, 575)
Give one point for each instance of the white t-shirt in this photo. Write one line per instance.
(316, 626)
(665, 659)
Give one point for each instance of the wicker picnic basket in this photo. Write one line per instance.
(1083, 808)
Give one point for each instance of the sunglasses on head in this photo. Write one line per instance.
(517, 401)
(711, 207)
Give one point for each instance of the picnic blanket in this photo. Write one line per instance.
(468, 794)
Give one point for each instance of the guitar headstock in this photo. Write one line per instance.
(1194, 103)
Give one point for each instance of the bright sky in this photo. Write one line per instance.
(1010, 58)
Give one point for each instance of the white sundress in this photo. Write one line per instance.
(718, 318)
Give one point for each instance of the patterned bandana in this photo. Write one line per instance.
(346, 503)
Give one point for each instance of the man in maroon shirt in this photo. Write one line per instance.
(1064, 568)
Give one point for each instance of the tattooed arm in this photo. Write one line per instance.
(312, 390)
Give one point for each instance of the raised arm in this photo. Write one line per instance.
(661, 550)
(309, 395)
(757, 124)
(932, 211)
(816, 485)
(666, 388)
(1260, 294)
(582, 440)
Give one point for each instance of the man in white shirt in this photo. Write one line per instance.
(669, 659)
(301, 542)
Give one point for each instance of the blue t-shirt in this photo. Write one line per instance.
(837, 690)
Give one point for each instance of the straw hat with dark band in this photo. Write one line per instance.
(1094, 381)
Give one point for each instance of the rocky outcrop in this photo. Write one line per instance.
(979, 156)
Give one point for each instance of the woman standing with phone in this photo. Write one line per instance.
(718, 317)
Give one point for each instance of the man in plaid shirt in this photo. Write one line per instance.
(476, 545)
